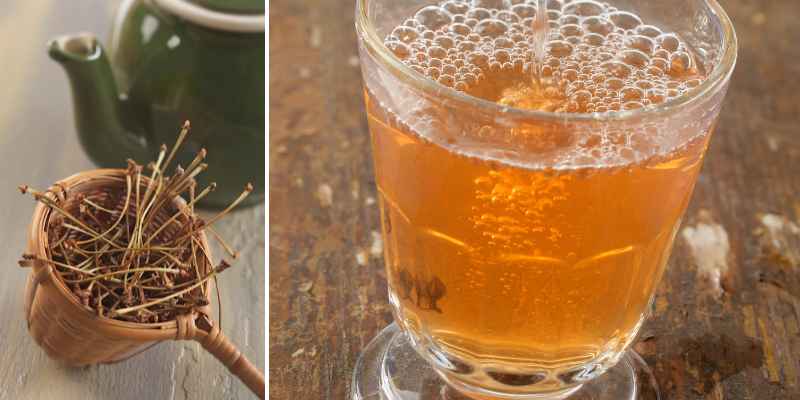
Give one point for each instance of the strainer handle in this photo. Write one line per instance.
(220, 347)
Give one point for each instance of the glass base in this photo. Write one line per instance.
(390, 369)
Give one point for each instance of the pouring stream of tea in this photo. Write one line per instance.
(540, 36)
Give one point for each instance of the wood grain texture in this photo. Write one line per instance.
(735, 339)
(38, 146)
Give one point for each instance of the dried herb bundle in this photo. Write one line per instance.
(126, 250)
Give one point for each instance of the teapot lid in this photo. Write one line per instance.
(234, 6)
(244, 16)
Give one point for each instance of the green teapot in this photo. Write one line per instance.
(171, 61)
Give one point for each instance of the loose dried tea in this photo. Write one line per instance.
(126, 250)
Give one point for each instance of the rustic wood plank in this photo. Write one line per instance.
(38, 146)
(735, 340)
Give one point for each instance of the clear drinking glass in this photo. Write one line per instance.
(516, 268)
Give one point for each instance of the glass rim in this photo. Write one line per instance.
(711, 85)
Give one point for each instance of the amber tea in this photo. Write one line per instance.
(527, 253)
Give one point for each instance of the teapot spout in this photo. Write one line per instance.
(98, 107)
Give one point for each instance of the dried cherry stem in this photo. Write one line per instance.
(247, 190)
(30, 257)
(97, 206)
(122, 214)
(41, 197)
(228, 249)
(175, 216)
(164, 299)
(181, 137)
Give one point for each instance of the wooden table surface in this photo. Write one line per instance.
(739, 339)
(38, 146)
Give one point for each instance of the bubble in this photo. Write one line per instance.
(569, 74)
(553, 62)
(491, 28)
(634, 58)
(478, 14)
(460, 29)
(460, 86)
(502, 56)
(492, 4)
(654, 71)
(554, 4)
(668, 42)
(447, 80)
(470, 22)
(400, 49)
(433, 72)
(503, 43)
(630, 93)
(632, 105)
(444, 42)
(433, 17)
(553, 15)
(437, 52)
(660, 63)
(478, 59)
(617, 69)
(559, 48)
(604, 56)
(597, 25)
(656, 96)
(507, 16)
(458, 18)
(428, 34)
(644, 84)
(692, 83)
(680, 62)
(455, 7)
(648, 30)
(641, 43)
(585, 8)
(614, 83)
(594, 39)
(571, 30)
(524, 10)
(624, 19)
(405, 34)
(470, 78)
(569, 19)
(600, 93)
(582, 97)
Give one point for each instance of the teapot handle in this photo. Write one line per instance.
(213, 19)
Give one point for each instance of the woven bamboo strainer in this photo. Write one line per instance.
(69, 332)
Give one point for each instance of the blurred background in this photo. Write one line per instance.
(38, 146)
(328, 286)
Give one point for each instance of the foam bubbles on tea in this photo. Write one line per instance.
(597, 58)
